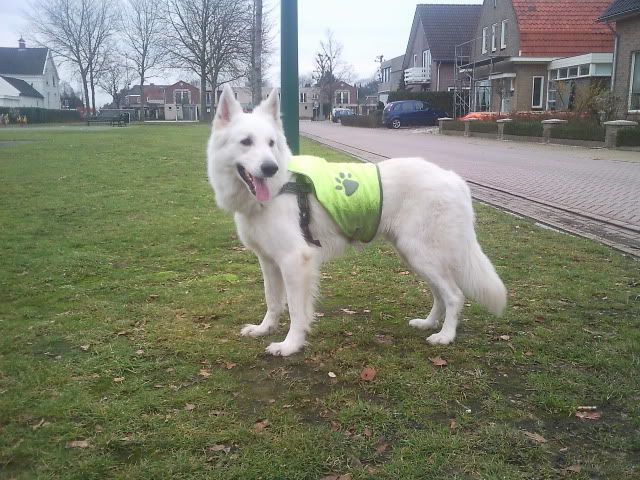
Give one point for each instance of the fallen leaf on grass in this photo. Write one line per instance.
(438, 361)
(85, 348)
(382, 446)
(219, 448)
(589, 415)
(140, 352)
(573, 469)
(384, 339)
(453, 424)
(78, 444)
(536, 437)
(189, 407)
(348, 312)
(405, 273)
(260, 426)
(118, 379)
(368, 374)
(367, 432)
(204, 373)
(40, 424)
(335, 426)
(331, 375)
(506, 338)
(335, 476)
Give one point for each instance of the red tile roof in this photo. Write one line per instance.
(562, 27)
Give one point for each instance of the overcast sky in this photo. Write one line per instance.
(365, 28)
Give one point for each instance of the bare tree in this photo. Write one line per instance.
(330, 69)
(116, 76)
(76, 31)
(143, 36)
(261, 49)
(210, 38)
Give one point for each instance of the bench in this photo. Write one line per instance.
(113, 120)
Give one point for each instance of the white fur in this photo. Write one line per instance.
(427, 215)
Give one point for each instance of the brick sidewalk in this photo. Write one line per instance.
(591, 192)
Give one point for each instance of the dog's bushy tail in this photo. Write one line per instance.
(478, 280)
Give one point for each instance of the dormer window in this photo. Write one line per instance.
(503, 35)
(494, 27)
(484, 40)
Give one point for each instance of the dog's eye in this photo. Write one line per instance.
(272, 142)
(247, 142)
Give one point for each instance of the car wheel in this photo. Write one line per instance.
(396, 123)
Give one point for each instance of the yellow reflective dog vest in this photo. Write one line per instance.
(350, 192)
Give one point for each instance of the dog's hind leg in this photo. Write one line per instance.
(448, 298)
(435, 315)
(300, 272)
(275, 296)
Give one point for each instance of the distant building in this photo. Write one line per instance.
(28, 78)
(391, 72)
(179, 101)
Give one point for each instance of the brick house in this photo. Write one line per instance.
(429, 60)
(529, 55)
(309, 102)
(345, 96)
(626, 64)
(179, 101)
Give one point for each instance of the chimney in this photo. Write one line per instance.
(21, 44)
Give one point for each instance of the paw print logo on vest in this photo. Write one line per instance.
(346, 183)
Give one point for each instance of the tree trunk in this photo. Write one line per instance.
(256, 75)
(85, 89)
(93, 91)
(142, 99)
(204, 116)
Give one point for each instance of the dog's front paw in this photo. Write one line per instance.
(423, 323)
(283, 349)
(255, 330)
(441, 338)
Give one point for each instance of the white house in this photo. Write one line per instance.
(28, 78)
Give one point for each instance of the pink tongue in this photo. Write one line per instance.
(262, 191)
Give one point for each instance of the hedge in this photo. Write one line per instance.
(438, 100)
(483, 127)
(367, 121)
(523, 129)
(456, 125)
(41, 115)
(628, 137)
(579, 130)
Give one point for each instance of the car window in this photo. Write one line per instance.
(408, 107)
(419, 106)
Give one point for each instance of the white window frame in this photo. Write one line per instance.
(484, 40)
(426, 59)
(344, 94)
(494, 40)
(634, 55)
(503, 34)
(533, 89)
(303, 97)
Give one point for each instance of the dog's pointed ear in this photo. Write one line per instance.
(228, 107)
(271, 106)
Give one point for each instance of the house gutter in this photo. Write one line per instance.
(438, 79)
(616, 38)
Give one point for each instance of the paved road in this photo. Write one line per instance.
(592, 192)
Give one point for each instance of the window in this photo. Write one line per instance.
(386, 73)
(634, 87)
(537, 91)
(182, 97)
(562, 73)
(551, 91)
(426, 59)
(494, 27)
(503, 35)
(303, 97)
(573, 71)
(484, 40)
(208, 98)
(415, 59)
(584, 70)
(342, 97)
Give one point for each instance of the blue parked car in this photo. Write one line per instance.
(410, 112)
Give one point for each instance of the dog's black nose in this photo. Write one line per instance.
(269, 169)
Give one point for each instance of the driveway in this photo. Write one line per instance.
(591, 192)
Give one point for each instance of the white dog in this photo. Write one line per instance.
(426, 214)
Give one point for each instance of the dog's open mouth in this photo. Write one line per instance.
(257, 186)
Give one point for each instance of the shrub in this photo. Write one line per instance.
(41, 115)
(453, 125)
(628, 137)
(579, 130)
(524, 128)
(438, 100)
(483, 127)
(366, 121)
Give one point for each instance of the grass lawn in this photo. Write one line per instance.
(123, 290)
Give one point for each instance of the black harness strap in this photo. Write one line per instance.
(301, 190)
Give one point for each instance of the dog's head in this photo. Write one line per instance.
(247, 150)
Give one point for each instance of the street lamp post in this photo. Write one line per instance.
(289, 72)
